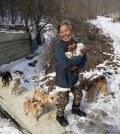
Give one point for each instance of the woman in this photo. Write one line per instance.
(66, 76)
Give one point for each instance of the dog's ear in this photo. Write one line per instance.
(35, 103)
(53, 98)
(81, 78)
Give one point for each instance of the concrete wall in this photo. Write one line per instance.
(14, 46)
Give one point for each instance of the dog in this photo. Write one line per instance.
(76, 49)
(98, 84)
(34, 107)
(69, 55)
(80, 49)
(14, 86)
(6, 78)
(72, 48)
(101, 84)
(45, 99)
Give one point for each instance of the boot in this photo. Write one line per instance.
(78, 112)
(61, 119)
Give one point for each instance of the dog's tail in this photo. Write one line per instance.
(34, 89)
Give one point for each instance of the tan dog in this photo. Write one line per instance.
(91, 86)
(45, 99)
(34, 107)
(14, 85)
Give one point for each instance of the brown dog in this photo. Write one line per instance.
(44, 98)
(72, 48)
(33, 107)
(101, 84)
(98, 84)
(14, 85)
(77, 49)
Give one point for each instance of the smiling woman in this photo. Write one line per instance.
(66, 33)
(67, 73)
(65, 30)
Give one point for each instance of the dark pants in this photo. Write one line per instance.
(64, 99)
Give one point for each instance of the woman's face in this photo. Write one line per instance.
(65, 33)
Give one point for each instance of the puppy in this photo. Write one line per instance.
(14, 85)
(98, 84)
(6, 77)
(34, 107)
(69, 55)
(77, 49)
(101, 84)
(80, 49)
(72, 48)
(44, 98)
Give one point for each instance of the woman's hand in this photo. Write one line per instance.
(81, 54)
(73, 68)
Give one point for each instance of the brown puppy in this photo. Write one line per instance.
(33, 107)
(98, 84)
(44, 98)
(77, 49)
(101, 84)
(72, 48)
(14, 85)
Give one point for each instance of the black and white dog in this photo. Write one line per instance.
(6, 77)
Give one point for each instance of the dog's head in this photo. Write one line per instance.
(85, 83)
(81, 78)
(69, 55)
(6, 75)
(103, 91)
(72, 48)
(12, 84)
(15, 82)
(101, 84)
(52, 99)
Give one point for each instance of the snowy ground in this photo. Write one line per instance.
(103, 113)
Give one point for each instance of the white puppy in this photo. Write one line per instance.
(14, 85)
(80, 49)
(69, 55)
(75, 50)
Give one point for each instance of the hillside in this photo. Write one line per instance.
(102, 38)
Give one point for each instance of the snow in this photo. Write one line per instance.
(102, 114)
(7, 127)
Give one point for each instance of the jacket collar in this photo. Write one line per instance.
(65, 43)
